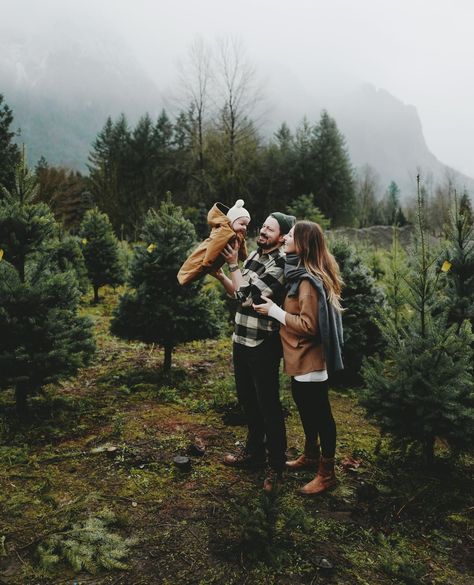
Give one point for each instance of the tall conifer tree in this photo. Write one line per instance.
(42, 339)
(9, 151)
(333, 188)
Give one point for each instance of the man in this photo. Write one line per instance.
(257, 348)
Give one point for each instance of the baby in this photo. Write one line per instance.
(227, 225)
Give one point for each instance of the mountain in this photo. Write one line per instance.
(62, 90)
(63, 86)
(387, 134)
(380, 130)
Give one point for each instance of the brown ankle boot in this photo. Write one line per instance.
(325, 478)
(309, 459)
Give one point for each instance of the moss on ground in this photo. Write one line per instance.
(107, 440)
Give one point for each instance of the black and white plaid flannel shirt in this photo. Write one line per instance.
(264, 274)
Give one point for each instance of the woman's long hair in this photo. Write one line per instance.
(313, 252)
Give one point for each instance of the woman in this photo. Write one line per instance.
(311, 335)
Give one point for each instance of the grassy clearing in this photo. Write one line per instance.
(89, 491)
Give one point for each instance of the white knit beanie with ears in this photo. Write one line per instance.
(237, 211)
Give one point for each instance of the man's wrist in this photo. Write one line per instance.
(233, 267)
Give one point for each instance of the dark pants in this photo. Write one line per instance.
(312, 400)
(257, 382)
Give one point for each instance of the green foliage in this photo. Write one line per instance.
(42, 339)
(159, 310)
(395, 310)
(101, 251)
(361, 296)
(333, 176)
(89, 546)
(459, 252)
(9, 151)
(303, 208)
(395, 558)
(266, 527)
(422, 387)
(132, 168)
(67, 255)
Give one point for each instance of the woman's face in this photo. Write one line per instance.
(240, 225)
(289, 243)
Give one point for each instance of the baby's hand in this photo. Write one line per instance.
(219, 274)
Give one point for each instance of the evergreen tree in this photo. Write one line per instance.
(333, 176)
(459, 264)
(158, 309)
(101, 251)
(9, 151)
(109, 174)
(42, 340)
(303, 208)
(361, 296)
(304, 180)
(395, 310)
(422, 387)
(465, 207)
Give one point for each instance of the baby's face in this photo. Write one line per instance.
(240, 225)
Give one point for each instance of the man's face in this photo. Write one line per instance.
(270, 236)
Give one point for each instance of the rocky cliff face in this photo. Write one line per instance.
(387, 134)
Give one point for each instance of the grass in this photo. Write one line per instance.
(106, 440)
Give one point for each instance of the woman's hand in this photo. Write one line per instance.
(264, 308)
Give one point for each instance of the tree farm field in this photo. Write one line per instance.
(90, 491)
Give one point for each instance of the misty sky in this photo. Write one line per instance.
(421, 51)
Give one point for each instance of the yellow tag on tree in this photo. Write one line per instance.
(446, 266)
(151, 247)
(1, 254)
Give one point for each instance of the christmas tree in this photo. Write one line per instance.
(422, 387)
(158, 309)
(101, 251)
(361, 295)
(42, 339)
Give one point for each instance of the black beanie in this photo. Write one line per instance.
(286, 222)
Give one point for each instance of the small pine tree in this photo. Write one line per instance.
(101, 251)
(395, 308)
(42, 340)
(459, 264)
(303, 207)
(159, 310)
(361, 296)
(422, 388)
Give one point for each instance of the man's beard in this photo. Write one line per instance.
(264, 243)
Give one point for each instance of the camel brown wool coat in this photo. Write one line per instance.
(206, 257)
(302, 348)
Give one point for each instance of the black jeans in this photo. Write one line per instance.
(312, 400)
(256, 371)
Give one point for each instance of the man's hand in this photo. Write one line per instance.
(231, 253)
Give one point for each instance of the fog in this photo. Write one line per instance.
(421, 51)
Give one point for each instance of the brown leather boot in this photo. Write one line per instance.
(325, 479)
(309, 459)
